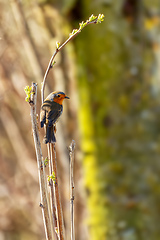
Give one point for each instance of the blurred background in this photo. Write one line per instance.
(111, 72)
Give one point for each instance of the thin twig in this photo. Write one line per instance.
(52, 201)
(41, 171)
(57, 194)
(50, 65)
(71, 158)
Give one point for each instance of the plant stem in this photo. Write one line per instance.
(55, 53)
(57, 195)
(71, 158)
(52, 201)
(41, 171)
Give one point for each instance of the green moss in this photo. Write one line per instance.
(119, 126)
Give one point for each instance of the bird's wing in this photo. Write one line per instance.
(54, 114)
(43, 113)
(42, 117)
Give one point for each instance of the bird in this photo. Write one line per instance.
(50, 112)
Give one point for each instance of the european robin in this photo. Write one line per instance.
(51, 110)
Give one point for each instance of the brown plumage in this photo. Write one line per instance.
(51, 110)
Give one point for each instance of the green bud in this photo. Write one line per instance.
(57, 44)
(92, 18)
(52, 177)
(28, 92)
(46, 161)
(100, 18)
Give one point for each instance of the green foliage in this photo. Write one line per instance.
(52, 177)
(46, 161)
(28, 91)
(57, 44)
(73, 32)
(100, 18)
(92, 19)
(82, 25)
(54, 62)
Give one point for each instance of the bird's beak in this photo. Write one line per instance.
(67, 97)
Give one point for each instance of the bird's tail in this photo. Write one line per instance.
(49, 135)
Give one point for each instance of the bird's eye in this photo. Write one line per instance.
(58, 95)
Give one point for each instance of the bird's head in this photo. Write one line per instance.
(57, 97)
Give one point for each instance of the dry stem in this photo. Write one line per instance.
(57, 195)
(52, 201)
(42, 179)
(71, 158)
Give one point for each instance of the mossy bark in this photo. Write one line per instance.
(115, 93)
